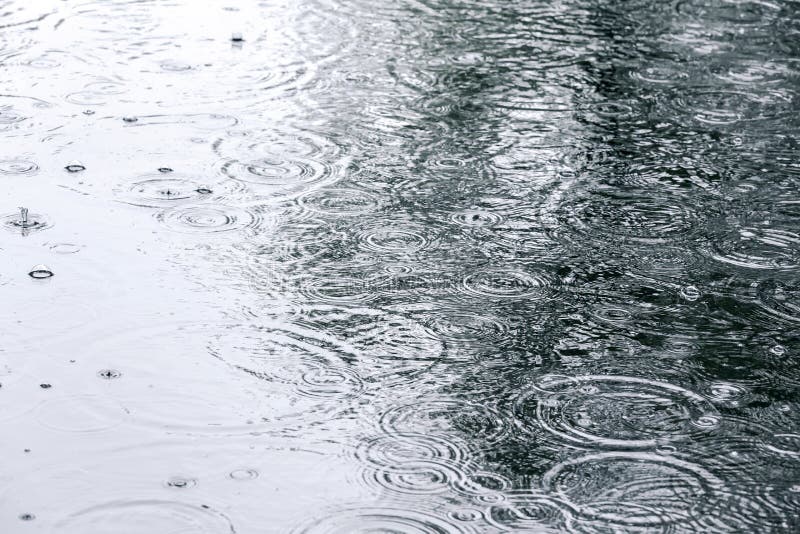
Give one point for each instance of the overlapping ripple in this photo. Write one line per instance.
(636, 489)
(615, 411)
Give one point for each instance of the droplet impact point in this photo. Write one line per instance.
(75, 166)
(40, 271)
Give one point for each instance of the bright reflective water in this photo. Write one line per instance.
(416, 266)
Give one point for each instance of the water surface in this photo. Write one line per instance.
(415, 266)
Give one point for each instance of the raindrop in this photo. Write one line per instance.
(109, 374)
(75, 166)
(181, 482)
(690, 293)
(25, 221)
(40, 271)
(778, 350)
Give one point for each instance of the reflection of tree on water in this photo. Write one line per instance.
(644, 144)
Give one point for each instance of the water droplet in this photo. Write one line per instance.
(690, 293)
(40, 271)
(75, 166)
(707, 421)
(778, 350)
(109, 374)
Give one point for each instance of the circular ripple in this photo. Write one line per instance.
(65, 248)
(779, 300)
(758, 248)
(336, 290)
(449, 417)
(530, 513)
(18, 167)
(81, 413)
(631, 488)
(282, 163)
(395, 240)
(501, 283)
(466, 327)
(158, 190)
(243, 474)
(624, 217)
(418, 465)
(719, 107)
(477, 218)
(339, 201)
(376, 520)
(210, 219)
(285, 357)
(614, 411)
(147, 516)
(97, 93)
(484, 487)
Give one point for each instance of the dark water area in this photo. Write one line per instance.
(418, 266)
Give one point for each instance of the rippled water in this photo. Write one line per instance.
(417, 266)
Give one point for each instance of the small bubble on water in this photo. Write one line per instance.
(40, 271)
(690, 293)
(778, 350)
(181, 483)
(27, 517)
(75, 166)
(785, 408)
(666, 449)
(795, 488)
(737, 141)
(707, 421)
